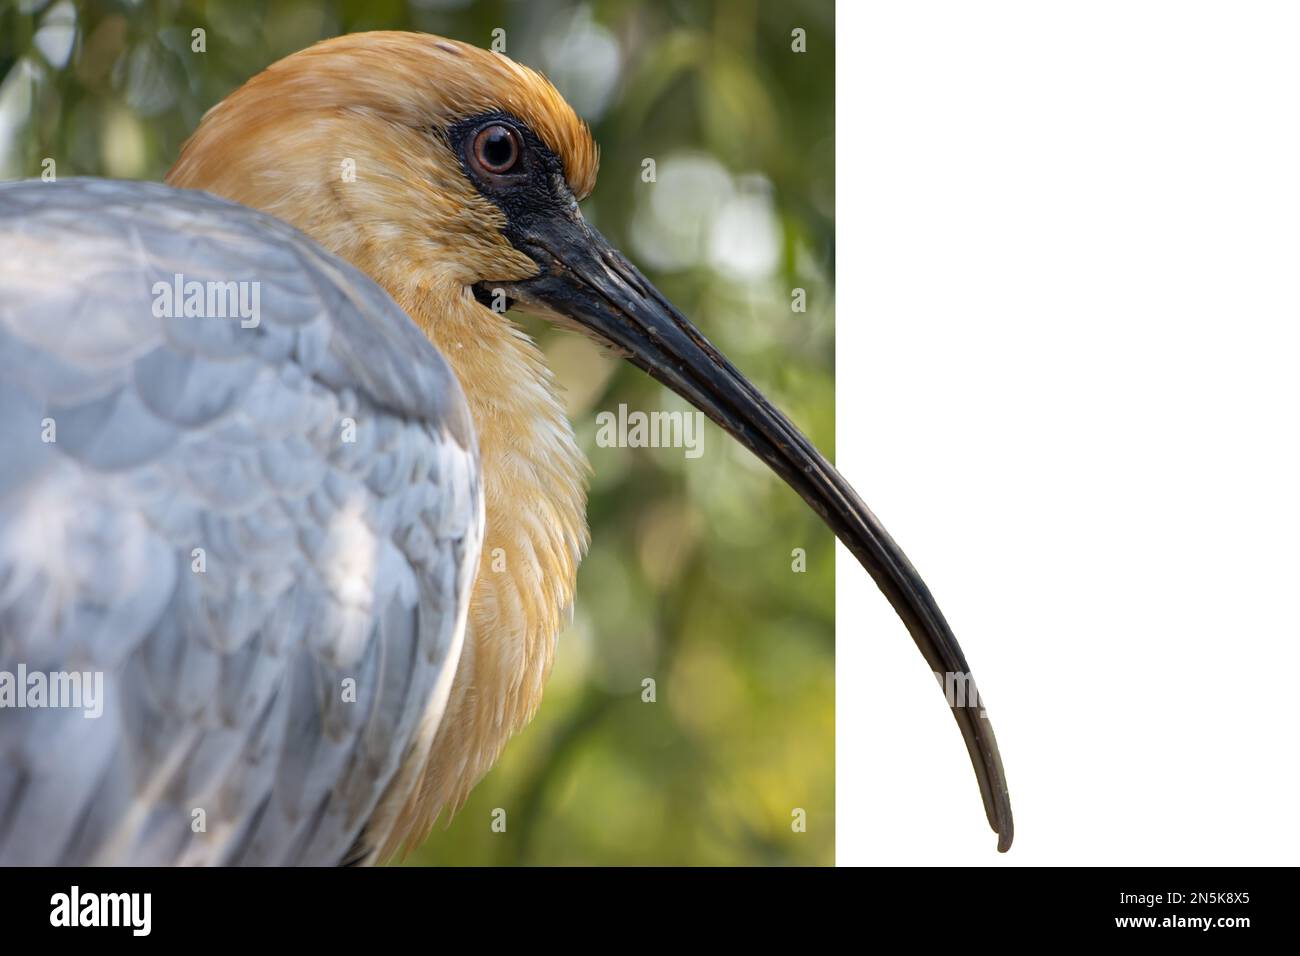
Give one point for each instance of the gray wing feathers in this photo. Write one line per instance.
(263, 537)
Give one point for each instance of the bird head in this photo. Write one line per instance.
(402, 152)
(435, 165)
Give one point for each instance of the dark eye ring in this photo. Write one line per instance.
(496, 149)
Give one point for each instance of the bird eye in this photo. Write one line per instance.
(496, 149)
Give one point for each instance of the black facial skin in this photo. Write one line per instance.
(587, 281)
(536, 193)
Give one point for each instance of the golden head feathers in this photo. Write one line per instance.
(415, 80)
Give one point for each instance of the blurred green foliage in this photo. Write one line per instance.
(689, 580)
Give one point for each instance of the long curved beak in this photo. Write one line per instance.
(586, 281)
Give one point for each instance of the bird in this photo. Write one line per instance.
(263, 426)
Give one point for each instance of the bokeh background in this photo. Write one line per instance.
(690, 577)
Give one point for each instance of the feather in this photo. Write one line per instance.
(264, 672)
